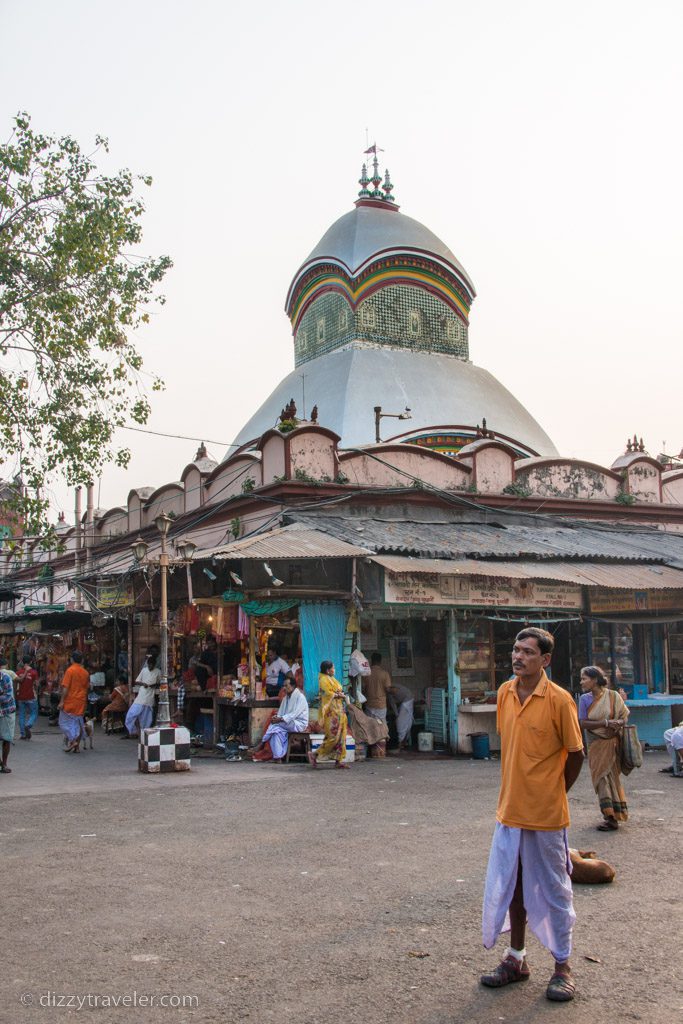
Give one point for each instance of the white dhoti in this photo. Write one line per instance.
(404, 719)
(546, 886)
(71, 726)
(674, 738)
(277, 735)
(139, 718)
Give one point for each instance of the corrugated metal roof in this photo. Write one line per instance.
(458, 539)
(588, 574)
(293, 541)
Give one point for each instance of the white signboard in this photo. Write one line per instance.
(434, 588)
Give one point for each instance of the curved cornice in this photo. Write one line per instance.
(391, 267)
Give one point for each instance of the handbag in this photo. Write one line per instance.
(630, 750)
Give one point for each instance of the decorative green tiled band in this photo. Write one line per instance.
(398, 316)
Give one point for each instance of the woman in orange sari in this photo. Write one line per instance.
(602, 715)
(332, 717)
(118, 704)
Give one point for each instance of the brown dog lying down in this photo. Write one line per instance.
(588, 870)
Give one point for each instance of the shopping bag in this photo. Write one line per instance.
(630, 750)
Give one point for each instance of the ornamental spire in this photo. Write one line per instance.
(364, 181)
(380, 192)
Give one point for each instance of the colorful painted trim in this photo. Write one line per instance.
(408, 271)
(450, 443)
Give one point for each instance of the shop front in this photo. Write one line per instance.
(449, 627)
(47, 635)
(455, 631)
(219, 655)
(636, 638)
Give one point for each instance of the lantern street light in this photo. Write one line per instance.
(186, 549)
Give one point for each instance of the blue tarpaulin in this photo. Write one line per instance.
(322, 639)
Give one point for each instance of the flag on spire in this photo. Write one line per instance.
(374, 148)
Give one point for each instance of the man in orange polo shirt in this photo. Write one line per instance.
(529, 865)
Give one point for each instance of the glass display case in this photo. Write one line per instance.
(676, 658)
(624, 670)
(474, 660)
(504, 639)
(602, 647)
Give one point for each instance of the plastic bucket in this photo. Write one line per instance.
(480, 745)
(425, 741)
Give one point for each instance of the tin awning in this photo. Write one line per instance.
(587, 574)
(292, 542)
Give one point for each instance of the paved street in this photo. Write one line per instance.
(281, 894)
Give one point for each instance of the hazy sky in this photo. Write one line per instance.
(541, 141)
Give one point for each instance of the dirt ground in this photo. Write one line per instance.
(276, 893)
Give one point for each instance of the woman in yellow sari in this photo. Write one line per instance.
(603, 714)
(332, 717)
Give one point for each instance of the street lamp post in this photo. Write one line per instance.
(163, 525)
(185, 549)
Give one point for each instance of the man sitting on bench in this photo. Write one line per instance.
(674, 744)
(291, 716)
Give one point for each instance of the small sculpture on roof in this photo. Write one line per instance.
(289, 411)
(483, 431)
(314, 414)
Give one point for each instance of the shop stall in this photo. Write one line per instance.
(219, 655)
(631, 633)
(463, 625)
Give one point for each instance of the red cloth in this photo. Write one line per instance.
(263, 755)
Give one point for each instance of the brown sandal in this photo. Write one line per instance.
(508, 970)
(561, 988)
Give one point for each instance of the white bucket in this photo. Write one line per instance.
(425, 741)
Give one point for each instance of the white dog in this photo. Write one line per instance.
(88, 730)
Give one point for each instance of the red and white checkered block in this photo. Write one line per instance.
(164, 749)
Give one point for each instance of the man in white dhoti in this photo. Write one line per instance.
(674, 744)
(403, 702)
(529, 865)
(292, 716)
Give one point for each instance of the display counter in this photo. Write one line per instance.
(476, 718)
(248, 716)
(196, 702)
(652, 715)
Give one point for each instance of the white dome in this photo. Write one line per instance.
(440, 390)
(370, 231)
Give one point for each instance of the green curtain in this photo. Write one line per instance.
(267, 607)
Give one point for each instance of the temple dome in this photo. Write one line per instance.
(372, 230)
(380, 317)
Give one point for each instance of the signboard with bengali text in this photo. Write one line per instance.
(115, 595)
(607, 600)
(439, 589)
